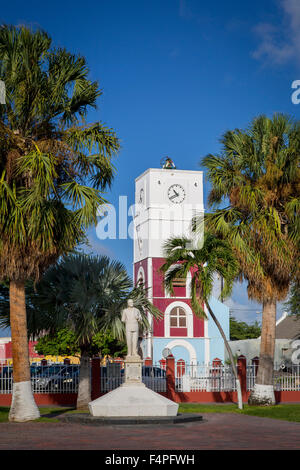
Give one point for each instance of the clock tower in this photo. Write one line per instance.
(165, 202)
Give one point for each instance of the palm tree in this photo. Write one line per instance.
(214, 258)
(258, 173)
(86, 294)
(53, 170)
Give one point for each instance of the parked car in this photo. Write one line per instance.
(55, 378)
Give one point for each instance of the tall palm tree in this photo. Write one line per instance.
(258, 173)
(86, 294)
(214, 258)
(53, 170)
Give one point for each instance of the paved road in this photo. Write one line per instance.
(218, 431)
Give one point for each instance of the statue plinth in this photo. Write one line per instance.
(133, 370)
(133, 398)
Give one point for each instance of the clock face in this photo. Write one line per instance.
(176, 193)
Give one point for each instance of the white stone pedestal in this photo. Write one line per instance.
(133, 370)
(133, 398)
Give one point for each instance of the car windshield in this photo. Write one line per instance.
(46, 371)
(149, 371)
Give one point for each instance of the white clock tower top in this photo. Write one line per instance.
(166, 200)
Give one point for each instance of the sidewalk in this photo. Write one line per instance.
(217, 432)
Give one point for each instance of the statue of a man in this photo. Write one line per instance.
(131, 317)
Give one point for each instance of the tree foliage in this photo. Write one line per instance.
(241, 330)
(53, 165)
(63, 343)
(215, 257)
(258, 172)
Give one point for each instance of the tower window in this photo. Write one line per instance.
(179, 282)
(177, 318)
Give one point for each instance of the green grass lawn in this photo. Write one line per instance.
(286, 412)
(47, 414)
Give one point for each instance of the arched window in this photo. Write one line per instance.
(140, 281)
(178, 318)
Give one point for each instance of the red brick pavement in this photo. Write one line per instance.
(218, 431)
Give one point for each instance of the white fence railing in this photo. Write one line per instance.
(220, 378)
(204, 377)
(286, 379)
(61, 378)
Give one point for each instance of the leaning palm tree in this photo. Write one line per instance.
(53, 170)
(214, 258)
(85, 294)
(258, 173)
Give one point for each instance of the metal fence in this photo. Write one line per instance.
(61, 378)
(112, 376)
(56, 378)
(286, 378)
(204, 377)
(220, 378)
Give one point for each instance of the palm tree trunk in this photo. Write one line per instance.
(237, 381)
(84, 386)
(263, 392)
(23, 407)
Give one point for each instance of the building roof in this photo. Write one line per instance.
(288, 327)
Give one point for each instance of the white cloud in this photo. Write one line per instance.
(281, 43)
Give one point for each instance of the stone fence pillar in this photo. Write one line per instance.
(96, 378)
(170, 375)
(148, 361)
(242, 372)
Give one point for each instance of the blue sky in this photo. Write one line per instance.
(175, 74)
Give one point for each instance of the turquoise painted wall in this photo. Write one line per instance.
(217, 348)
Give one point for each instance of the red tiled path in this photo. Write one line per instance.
(219, 431)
